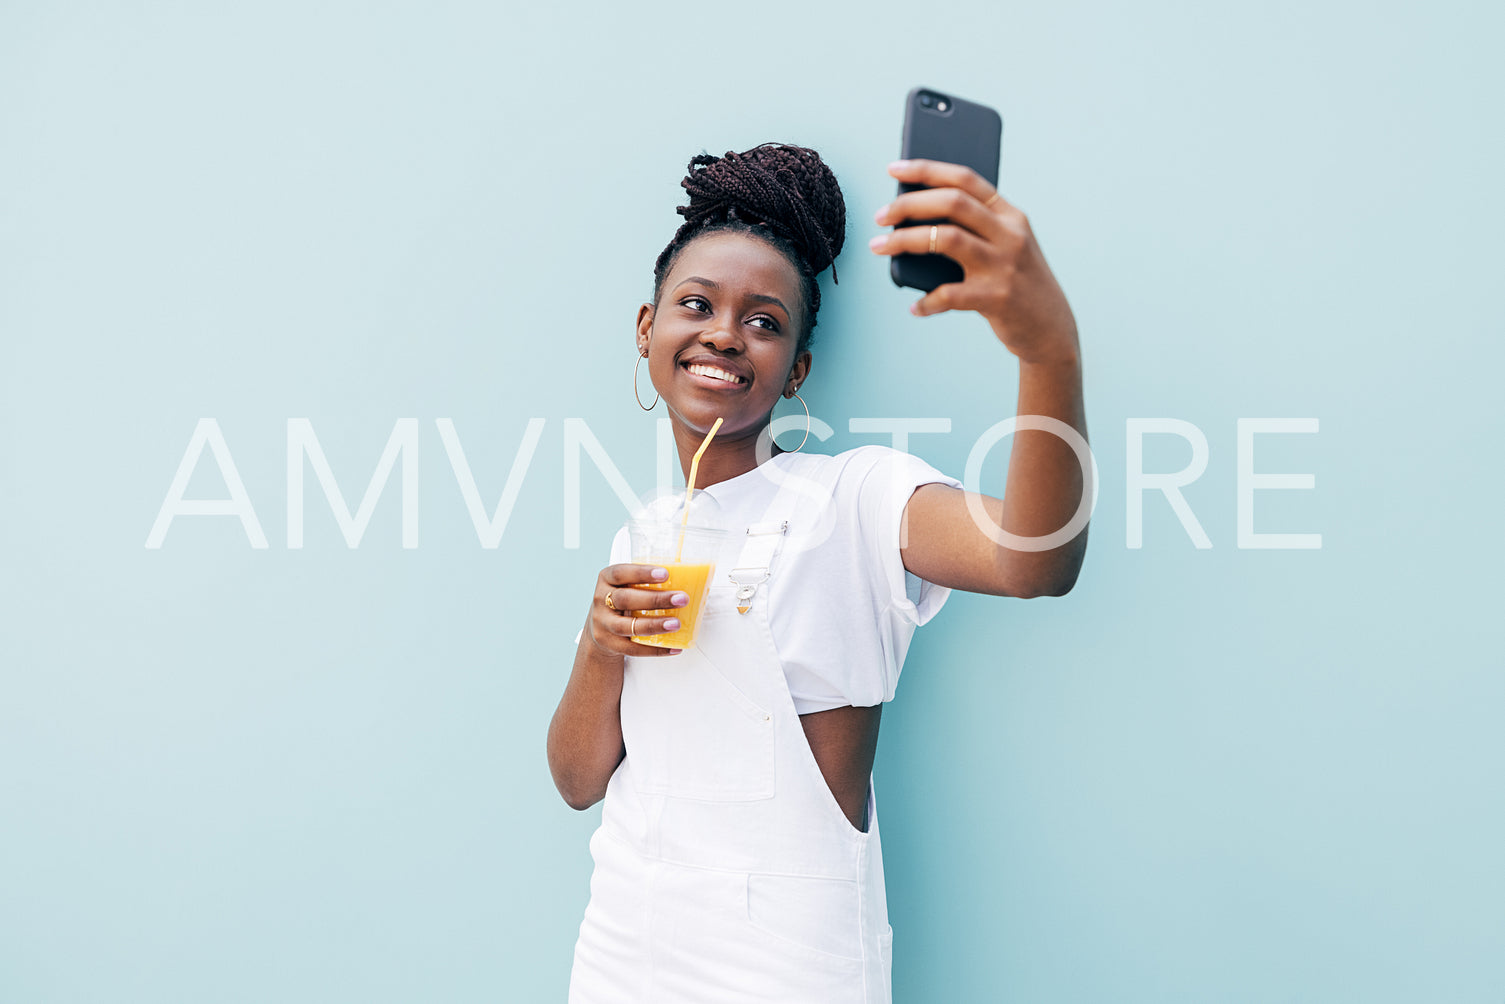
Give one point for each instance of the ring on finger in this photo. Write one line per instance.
(934, 232)
(609, 604)
(996, 196)
(634, 629)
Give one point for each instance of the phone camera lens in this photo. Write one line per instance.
(926, 100)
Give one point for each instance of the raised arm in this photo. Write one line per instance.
(951, 537)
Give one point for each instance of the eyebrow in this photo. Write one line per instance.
(758, 297)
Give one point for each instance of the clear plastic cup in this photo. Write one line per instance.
(660, 537)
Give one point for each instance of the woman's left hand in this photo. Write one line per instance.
(1006, 279)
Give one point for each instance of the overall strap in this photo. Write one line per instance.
(763, 539)
(751, 570)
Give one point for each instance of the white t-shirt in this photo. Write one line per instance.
(842, 608)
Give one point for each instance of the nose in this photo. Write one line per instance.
(723, 335)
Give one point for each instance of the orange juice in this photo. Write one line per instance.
(684, 577)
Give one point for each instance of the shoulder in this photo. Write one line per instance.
(869, 485)
(866, 468)
(838, 479)
(849, 465)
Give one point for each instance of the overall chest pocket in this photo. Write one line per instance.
(698, 725)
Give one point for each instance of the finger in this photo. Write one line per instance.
(952, 241)
(998, 205)
(631, 574)
(941, 174)
(947, 296)
(640, 651)
(622, 643)
(933, 204)
(641, 625)
(625, 598)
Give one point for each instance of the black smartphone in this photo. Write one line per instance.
(939, 126)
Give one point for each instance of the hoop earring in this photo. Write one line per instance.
(645, 407)
(807, 423)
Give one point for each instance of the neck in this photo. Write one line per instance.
(727, 457)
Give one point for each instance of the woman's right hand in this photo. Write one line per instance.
(613, 624)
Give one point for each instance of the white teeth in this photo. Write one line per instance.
(701, 369)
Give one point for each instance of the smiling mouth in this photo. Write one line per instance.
(715, 373)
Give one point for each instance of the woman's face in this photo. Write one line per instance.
(721, 340)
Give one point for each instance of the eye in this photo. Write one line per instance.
(701, 305)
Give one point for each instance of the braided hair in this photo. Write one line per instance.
(785, 195)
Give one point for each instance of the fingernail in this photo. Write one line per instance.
(672, 624)
(881, 216)
(898, 165)
(878, 242)
(660, 573)
(675, 651)
(680, 599)
(914, 308)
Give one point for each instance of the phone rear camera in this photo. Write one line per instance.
(926, 100)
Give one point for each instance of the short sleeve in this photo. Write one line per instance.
(891, 478)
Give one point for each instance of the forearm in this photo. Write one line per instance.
(585, 735)
(1045, 479)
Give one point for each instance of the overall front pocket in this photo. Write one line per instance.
(818, 918)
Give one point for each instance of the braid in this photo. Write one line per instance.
(784, 194)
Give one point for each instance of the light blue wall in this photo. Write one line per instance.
(239, 775)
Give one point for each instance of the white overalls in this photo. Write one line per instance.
(726, 872)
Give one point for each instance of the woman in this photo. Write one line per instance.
(738, 855)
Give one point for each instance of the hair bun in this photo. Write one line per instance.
(787, 188)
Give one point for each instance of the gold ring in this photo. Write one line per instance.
(934, 231)
(634, 629)
(609, 604)
(996, 196)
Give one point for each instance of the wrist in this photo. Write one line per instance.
(595, 654)
(604, 658)
(1065, 358)
(1053, 346)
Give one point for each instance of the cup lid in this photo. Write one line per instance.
(668, 506)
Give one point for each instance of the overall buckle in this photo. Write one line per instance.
(747, 581)
(756, 557)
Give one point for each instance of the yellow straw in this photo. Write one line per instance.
(690, 488)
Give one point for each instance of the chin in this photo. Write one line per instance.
(701, 415)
